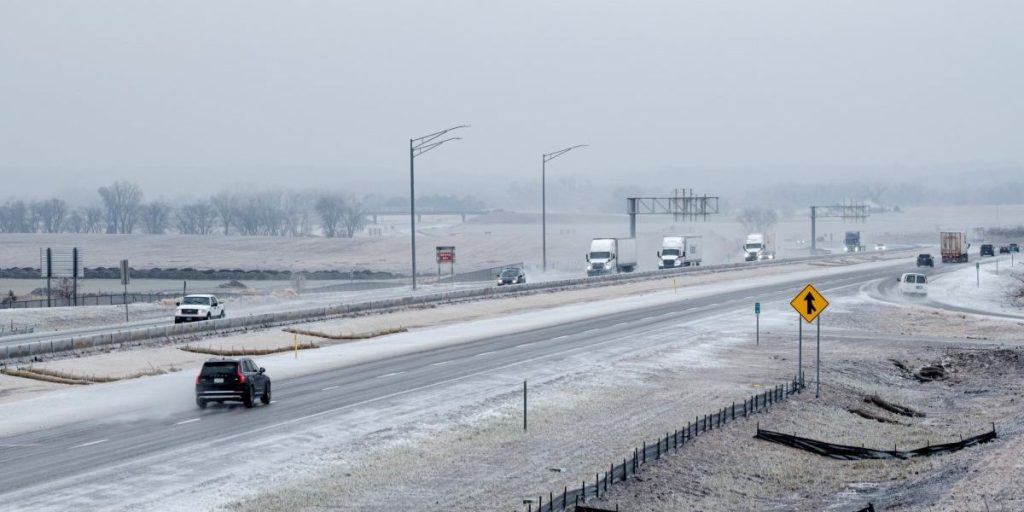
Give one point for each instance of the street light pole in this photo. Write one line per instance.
(416, 148)
(545, 158)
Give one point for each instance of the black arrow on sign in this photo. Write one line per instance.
(810, 303)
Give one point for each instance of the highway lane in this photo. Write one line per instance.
(237, 309)
(886, 290)
(33, 464)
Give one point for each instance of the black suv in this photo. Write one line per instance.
(232, 380)
(511, 276)
(987, 250)
(925, 260)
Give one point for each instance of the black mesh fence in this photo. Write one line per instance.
(672, 442)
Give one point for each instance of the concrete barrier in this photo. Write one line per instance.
(265, 320)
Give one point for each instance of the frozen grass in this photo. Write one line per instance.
(242, 351)
(345, 336)
(60, 377)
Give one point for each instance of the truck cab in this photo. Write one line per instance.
(611, 256)
(758, 247)
(852, 242)
(679, 251)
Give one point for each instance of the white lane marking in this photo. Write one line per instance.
(273, 401)
(18, 445)
(484, 353)
(388, 375)
(562, 336)
(526, 344)
(439, 364)
(91, 443)
(620, 323)
(328, 388)
(590, 330)
(187, 421)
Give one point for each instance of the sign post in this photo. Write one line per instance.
(757, 320)
(445, 254)
(977, 273)
(809, 304)
(125, 279)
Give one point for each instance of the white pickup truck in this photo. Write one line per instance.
(198, 307)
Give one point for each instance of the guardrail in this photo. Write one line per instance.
(45, 347)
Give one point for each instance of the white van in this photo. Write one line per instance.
(913, 284)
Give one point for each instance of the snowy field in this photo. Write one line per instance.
(480, 244)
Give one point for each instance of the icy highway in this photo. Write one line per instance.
(86, 462)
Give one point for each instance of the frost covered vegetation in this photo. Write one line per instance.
(122, 209)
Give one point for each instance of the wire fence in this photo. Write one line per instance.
(113, 299)
(671, 443)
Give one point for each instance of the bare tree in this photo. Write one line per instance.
(226, 206)
(331, 209)
(758, 220)
(354, 218)
(15, 217)
(196, 218)
(93, 219)
(155, 217)
(50, 214)
(75, 222)
(122, 201)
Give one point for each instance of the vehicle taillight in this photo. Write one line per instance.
(197, 378)
(241, 376)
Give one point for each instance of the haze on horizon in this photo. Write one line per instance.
(195, 97)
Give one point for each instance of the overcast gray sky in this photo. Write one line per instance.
(327, 93)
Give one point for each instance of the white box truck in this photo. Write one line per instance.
(759, 246)
(611, 256)
(679, 251)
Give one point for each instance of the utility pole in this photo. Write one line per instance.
(416, 148)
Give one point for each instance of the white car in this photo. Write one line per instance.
(913, 284)
(879, 246)
(198, 307)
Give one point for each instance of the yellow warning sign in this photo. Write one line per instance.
(809, 303)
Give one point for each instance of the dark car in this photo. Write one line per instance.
(1014, 248)
(987, 250)
(1004, 249)
(925, 260)
(511, 276)
(232, 380)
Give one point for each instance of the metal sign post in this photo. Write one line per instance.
(445, 254)
(809, 304)
(125, 279)
(817, 364)
(757, 320)
(977, 272)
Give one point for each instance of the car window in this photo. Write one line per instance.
(249, 366)
(922, 279)
(202, 301)
(219, 369)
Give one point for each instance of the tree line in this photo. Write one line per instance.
(122, 209)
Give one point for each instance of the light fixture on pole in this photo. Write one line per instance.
(416, 148)
(545, 158)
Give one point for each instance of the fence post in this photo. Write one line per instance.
(624, 470)
(583, 490)
(565, 497)
(645, 453)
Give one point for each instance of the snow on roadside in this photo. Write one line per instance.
(992, 293)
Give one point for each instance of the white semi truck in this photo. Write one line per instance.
(679, 251)
(611, 256)
(759, 246)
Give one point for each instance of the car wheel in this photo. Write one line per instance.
(208, 316)
(201, 403)
(222, 313)
(247, 398)
(266, 394)
(177, 320)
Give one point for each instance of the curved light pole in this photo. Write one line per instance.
(545, 158)
(416, 148)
